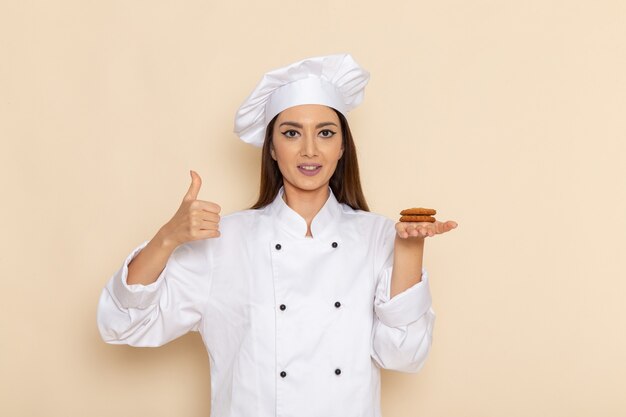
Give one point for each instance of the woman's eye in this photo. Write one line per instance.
(290, 133)
(327, 133)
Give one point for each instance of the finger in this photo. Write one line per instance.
(209, 225)
(213, 233)
(208, 206)
(199, 218)
(209, 217)
(449, 225)
(194, 188)
(401, 231)
(412, 229)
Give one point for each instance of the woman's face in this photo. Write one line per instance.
(307, 144)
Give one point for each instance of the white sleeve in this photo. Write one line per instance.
(155, 314)
(403, 325)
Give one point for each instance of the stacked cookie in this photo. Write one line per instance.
(418, 214)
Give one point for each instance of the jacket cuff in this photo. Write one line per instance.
(135, 295)
(406, 307)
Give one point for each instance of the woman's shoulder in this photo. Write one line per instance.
(371, 218)
(242, 216)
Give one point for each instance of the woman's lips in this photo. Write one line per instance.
(309, 169)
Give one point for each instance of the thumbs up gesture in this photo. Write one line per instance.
(195, 219)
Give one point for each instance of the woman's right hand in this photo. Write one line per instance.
(194, 220)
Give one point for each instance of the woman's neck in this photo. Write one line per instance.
(306, 203)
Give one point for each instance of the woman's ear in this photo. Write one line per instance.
(340, 153)
(272, 153)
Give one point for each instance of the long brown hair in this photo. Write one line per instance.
(345, 182)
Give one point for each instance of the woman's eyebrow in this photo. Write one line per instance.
(298, 125)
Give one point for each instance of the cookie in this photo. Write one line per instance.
(428, 219)
(418, 211)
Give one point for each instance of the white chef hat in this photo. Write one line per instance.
(336, 81)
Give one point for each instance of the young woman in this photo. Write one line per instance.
(301, 299)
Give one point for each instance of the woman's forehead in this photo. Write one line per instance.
(308, 113)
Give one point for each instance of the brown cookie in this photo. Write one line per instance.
(428, 219)
(418, 211)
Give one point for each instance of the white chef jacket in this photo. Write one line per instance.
(294, 326)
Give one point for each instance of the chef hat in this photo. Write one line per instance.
(336, 81)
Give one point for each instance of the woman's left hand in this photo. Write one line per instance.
(405, 230)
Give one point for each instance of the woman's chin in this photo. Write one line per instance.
(308, 185)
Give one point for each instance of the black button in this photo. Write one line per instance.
(284, 374)
(337, 304)
(334, 245)
(278, 246)
(337, 371)
(282, 306)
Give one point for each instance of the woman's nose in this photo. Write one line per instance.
(309, 147)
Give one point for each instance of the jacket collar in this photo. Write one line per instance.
(295, 224)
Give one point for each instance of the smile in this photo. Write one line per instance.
(309, 169)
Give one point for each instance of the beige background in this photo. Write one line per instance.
(509, 117)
